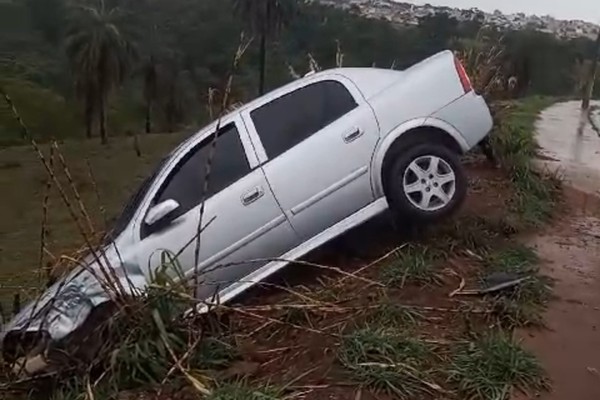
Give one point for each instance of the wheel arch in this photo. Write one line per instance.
(404, 135)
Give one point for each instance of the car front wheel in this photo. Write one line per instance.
(425, 183)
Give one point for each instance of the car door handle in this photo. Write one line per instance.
(252, 196)
(353, 135)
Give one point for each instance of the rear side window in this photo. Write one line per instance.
(186, 182)
(288, 120)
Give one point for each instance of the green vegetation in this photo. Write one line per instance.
(414, 264)
(513, 142)
(392, 315)
(516, 258)
(490, 367)
(387, 361)
(117, 173)
(100, 57)
(526, 303)
(266, 19)
(241, 391)
(184, 48)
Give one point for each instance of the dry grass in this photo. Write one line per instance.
(483, 61)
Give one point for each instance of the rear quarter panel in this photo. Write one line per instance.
(469, 115)
(428, 94)
(422, 90)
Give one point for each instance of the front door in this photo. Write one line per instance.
(318, 141)
(241, 217)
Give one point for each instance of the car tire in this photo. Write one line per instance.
(425, 183)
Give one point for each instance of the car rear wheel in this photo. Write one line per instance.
(425, 183)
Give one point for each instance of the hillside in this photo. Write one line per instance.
(403, 13)
(117, 172)
(183, 48)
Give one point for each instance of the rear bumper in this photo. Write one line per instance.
(469, 115)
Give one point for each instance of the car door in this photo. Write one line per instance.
(316, 144)
(242, 220)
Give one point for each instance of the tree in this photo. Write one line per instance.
(150, 71)
(100, 57)
(266, 18)
(48, 17)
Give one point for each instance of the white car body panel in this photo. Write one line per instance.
(370, 211)
(332, 167)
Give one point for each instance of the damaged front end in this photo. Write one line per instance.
(70, 310)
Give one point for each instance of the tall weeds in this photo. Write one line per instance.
(483, 59)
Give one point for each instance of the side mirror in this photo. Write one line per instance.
(160, 211)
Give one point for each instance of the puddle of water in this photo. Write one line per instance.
(577, 154)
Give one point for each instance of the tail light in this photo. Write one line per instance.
(462, 75)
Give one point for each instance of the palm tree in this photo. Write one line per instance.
(266, 18)
(100, 57)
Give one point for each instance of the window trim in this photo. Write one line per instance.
(207, 141)
(261, 152)
(180, 153)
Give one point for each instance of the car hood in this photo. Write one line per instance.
(66, 305)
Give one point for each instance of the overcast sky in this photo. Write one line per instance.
(587, 10)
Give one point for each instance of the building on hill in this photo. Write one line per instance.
(409, 14)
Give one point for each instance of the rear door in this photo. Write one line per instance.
(242, 218)
(315, 144)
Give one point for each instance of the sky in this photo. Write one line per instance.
(587, 10)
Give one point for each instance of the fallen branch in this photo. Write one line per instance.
(493, 289)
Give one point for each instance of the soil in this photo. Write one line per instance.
(569, 347)
(305, 361)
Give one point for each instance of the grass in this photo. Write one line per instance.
(514, 144)
(243, 391)
(414, 264)
(388, 362)
(137, 344)
(117, 170)
(394, 316)
(525, 304)
(490, 367)
(515, 258)
(470, 232)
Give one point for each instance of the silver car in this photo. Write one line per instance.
(291, 171)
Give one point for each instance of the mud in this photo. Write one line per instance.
(570, 249)
(569, 347)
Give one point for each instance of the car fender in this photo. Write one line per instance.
(388, 140)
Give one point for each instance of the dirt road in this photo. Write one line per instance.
(570, 249)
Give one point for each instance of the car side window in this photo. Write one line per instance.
(290, 119)
(185, 183)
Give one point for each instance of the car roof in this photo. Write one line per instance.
(368, 80)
